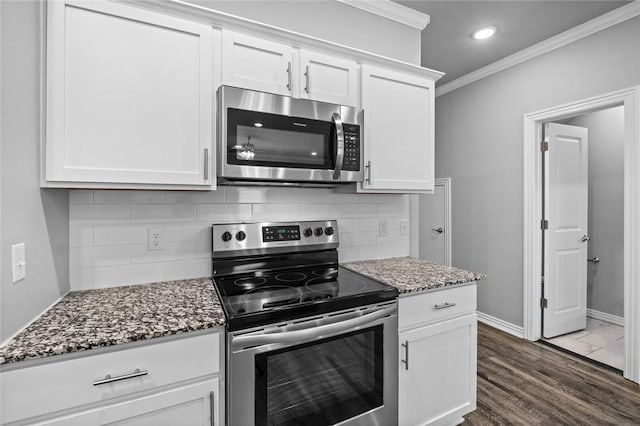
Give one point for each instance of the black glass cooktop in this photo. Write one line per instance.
(260, 298)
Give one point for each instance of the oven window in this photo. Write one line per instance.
(320, 383)
(272, 140)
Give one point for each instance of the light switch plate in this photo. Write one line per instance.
(404, 227)
(18, 262)
(383, 227)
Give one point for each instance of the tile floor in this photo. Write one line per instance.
(600, 341)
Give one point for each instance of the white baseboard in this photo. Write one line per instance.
(507, 327)
(603, 316)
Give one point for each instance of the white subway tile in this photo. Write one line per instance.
(372, 252)
(163, 213)
(80, 235)
(188, 232)
(80, 279)
(392, 209)
(301, 195)
(128, 197)
(98, 214)
(370, 224)
(141, 273)
(243, 194)
(224, 212)
(348, 225)
(91, 257)
(348, 239)
(337, 198)
(348, 254)
(358, 210)
(313, 212)
(80, 196)
(196, 197)
(333, 211)
(104, 235)
(140, 253)
(276, 212)
(185, 269)
(203, 249)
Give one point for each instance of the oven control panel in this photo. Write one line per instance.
(240, 239)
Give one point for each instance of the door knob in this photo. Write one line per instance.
(438, 230)
(585, 238)
(594, 260)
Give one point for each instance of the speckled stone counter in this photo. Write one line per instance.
(90, 319)
(410, 275)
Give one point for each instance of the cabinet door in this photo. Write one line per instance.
(129, 96)
(328, 79)
(398, 132)
(438, 386)
(190, 405)
(257, 64)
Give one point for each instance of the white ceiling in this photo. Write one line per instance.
(447, 44)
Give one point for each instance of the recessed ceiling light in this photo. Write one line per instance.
(314, 153)
(258, 123)
(484, 33)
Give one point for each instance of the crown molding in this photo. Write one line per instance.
(616, 16)
(393, 11)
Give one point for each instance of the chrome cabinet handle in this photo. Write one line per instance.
(212, 401)
(405, 361)
(340, 151)
(306, 75)
(289, 76)
(206, 164)
(585, 238)
(109, 379)
(594, 260)
(438, 230)
(368, 167)
(445, 305)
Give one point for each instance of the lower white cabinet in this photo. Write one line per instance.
(438, 358)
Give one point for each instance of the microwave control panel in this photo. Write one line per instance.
(351, 147)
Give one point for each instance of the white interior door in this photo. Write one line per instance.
(566, 207)
(435, 230)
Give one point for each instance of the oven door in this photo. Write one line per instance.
(278, 138)
(336, 369)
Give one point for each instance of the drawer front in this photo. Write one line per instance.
(33, 391)
(434, 306)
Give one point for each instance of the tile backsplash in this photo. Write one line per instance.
(109, 229)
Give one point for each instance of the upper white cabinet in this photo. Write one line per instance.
(266, 66)
(129, 98)
(398, 131)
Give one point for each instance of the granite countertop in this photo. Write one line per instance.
(89, 319)
(410, 275)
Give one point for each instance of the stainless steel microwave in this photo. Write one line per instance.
(269, 138)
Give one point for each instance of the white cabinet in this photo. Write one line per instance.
(267, 66)
(129, 97)
(438, 357)
(398, 131)
(173, 381)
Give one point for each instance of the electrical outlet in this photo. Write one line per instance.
(383, 227)
(404, 227)
(156, 238)
(18, 262)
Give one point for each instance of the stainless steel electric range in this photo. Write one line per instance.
(308, 342)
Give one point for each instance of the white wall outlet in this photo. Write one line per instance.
(156, 238)
(404, 227)
(383, 227)
(18, 262)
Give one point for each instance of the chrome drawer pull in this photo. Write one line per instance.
(445, 305)
(405, 361)
(109, 379)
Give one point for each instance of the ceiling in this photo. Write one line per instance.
(447, 44)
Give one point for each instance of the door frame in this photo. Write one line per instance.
(532, 248)
(446, 182)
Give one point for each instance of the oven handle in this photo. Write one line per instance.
(340, 151)
(311, 333)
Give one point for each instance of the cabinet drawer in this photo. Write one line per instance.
(37, 390)
(437, 305)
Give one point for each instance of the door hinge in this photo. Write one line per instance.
(544, 224)
(544, 146)
(543, 302)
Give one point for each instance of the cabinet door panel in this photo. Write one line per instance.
(129, 95)
(329, 79)
(440, 384)
(253, 63)
(398, 116)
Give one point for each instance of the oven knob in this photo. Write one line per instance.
(308, 232)
(319, 232)
(329, 230)
(240, 236)
(227, 236)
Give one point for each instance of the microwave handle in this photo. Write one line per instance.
(340, 151)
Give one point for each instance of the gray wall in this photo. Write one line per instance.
(39, 218)
(605, 280)
(331, 21)
(479, 140)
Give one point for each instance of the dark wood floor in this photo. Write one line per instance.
(526, 383)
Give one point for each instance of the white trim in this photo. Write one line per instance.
(603, 316)
(600, 23)
(507, 327)
(532, 250)
(446, 182)
(392, 11)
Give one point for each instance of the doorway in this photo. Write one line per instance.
(435, 223)
(583, 201)
(533, 204)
